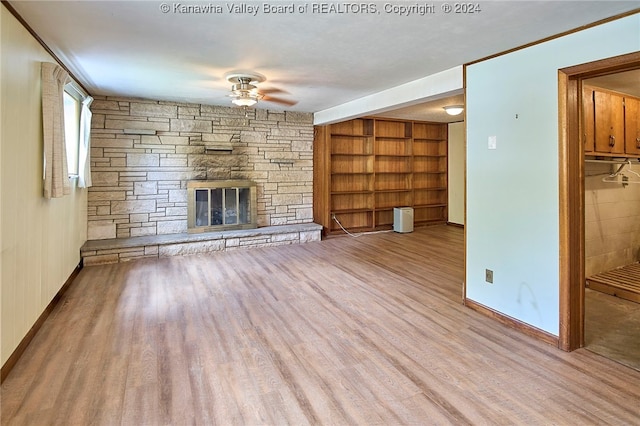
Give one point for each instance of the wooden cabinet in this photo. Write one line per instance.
(632, 126)
(363, 168)
(588, 120)
(610, 123)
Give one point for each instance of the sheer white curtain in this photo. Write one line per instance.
(56, 174)
(84, 165)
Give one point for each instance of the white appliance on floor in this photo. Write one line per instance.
(403, 219)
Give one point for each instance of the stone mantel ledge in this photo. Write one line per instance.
(94, 252)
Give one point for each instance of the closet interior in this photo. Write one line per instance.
(610, 121)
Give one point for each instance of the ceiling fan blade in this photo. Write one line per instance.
(272, 90)
(279, 100)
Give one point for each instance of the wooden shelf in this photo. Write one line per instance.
(347, 135)
(345, 211)
(357, 127)
(350, 192)
(366, 167)
(417, 206)
(352, 173)
(430, 188)
(392, 138)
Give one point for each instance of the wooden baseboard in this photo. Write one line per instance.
(22, 346)
(511, 322)
(457, 225)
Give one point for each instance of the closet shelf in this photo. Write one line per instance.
(620, 161)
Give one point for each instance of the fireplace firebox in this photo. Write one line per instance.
(214, 205)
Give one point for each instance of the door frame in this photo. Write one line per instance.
(571, 193)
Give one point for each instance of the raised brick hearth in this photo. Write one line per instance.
(95, 252)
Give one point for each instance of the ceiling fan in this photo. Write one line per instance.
(245, 93)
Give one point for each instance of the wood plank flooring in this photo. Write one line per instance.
(353, 331)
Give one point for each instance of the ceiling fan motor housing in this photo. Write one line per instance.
(243, 87)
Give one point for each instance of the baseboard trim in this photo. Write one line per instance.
(457, 225)
(511, 322)
(22, 346)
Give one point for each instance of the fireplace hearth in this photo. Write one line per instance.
(215, 205)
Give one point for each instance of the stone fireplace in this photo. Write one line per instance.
(144, 154)
(148, 159)
(216, 205)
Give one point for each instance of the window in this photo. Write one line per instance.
(72, 106)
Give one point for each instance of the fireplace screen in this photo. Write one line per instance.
(225, 204)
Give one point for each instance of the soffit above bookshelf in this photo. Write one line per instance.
(429, 111)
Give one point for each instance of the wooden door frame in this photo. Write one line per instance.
(571, 191)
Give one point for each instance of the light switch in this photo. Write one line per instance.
(492, 142)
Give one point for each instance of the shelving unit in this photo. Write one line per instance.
(429, 172)
(366, 167)
(393, 169)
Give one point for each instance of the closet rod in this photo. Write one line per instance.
(608, 161)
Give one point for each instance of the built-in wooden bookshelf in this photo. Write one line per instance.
(366, 167)
(429, 172)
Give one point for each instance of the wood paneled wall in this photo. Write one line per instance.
(41, 238)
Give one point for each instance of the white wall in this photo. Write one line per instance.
(512, 192)
(455, 160)
(40, 239)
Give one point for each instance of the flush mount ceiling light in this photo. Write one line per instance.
(454, 109)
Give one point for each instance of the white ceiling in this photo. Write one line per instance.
(627, 82)
(319, 60)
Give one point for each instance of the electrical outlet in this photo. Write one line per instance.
(488, 276)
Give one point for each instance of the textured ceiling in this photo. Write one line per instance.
(315, 54)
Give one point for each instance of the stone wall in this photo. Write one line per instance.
(144, 152)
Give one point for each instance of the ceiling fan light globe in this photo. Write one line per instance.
(244, 101)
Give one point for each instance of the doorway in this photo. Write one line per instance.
(572, 190)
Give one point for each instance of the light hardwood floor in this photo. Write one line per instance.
(356, 331)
